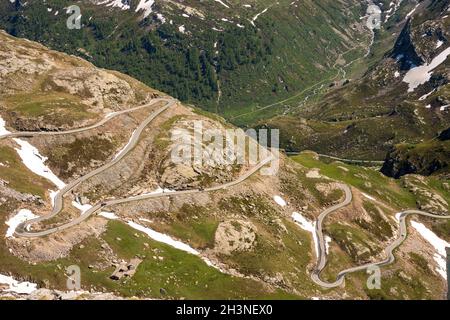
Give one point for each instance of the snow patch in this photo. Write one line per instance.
(35, 162)
(438, 243)
(22, 216)
(368, 197)
(307, 226)
(257, 16)
(82, 207)
(222, 3)
(126, 146)
(425, 96)
(17, 286)
(412, 11)
(115, 4)
(108, 215)
(146, 6)
(159, 190)
(3, 130)
(160, 237)
(161, 18)
(280, 201)
(420, 75)
(327, 244)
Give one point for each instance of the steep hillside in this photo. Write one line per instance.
(101, 200)
(402, 98)
(432, 157)
(225, 56)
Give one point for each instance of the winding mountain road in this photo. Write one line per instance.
(23, 229)
(389, 250)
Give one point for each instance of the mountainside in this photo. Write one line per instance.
(225, 56)
(402, 98)
(432, 157)
(86, 154)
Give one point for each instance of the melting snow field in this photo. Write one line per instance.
(3, 130)
(280, 201)
(115, 3)
(22, 216)
(82, 207)
(108, 215)
(222, 3)
(16, 286)
(421, 75)
(437, 243)
(160, 237)
(126, 146)
(145, 5)
(35, 162)
(327, 244)
(159, 190)
(307, 226)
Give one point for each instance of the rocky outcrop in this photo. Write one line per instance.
(49, 91)
(444, 135)
(424, 159)
(126, 269)
(404, 50)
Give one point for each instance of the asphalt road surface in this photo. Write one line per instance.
(23, 229)
(390, 258)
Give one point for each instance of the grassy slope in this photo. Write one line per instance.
(395, 285)
(179, 273)
(18, 176)
(346, 121)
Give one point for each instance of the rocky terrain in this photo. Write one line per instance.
(251, 240)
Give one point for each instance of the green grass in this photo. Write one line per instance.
(69, 158)
(351, 240)
(378, 226)
(18, 176)
(288, 254)
(381, 187)
(180, 274)
(191, 223)
(55, 107)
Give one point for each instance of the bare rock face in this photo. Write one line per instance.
(18, 66)
(46, 90)
(8, 194)
(47, 294)
(97, 88)
(235, 235)
(214, 162)
(426, 199)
